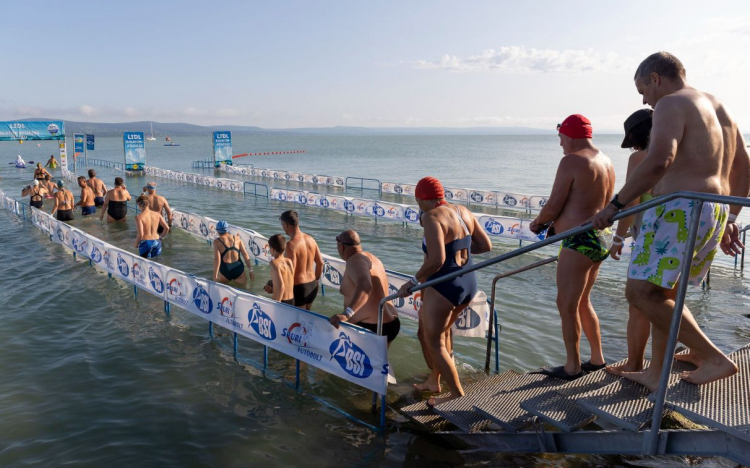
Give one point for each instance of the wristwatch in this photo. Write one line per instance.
(617, 203)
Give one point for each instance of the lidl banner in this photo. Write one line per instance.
(50, 130)
(222, 148)
(135, 151)
(90, 142)
(78, 144)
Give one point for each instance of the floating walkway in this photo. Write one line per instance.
(514, 412)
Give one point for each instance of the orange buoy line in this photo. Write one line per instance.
(267, 153)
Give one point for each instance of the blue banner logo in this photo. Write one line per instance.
(510, 201)
(13, 131)
(96, 255)
(156, 282)
(378, 210)
(262, 323)
(476, 197)
(90, 142)
(468, 319)
(398, 302)
(122, 265)
(493, 227)
(202, 300)
(411, 214)
(78, 141)
(350, 357)
(331, 273)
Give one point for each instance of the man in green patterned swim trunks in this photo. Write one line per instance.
(695, 146)
(584, 183)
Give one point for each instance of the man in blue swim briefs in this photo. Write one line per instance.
(304, 253)
(87, 198)
(584, 183)
(147, 222)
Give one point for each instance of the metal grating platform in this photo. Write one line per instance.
(432, 421)
(625, 403)
(505, 408)
(724, 404)
(558, 407)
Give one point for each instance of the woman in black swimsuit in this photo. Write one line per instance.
(116, 202)
(452, 235)
(40, 172)
(228, 265)
(36, 193)
(64, 203)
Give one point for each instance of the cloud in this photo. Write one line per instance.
(522, 61)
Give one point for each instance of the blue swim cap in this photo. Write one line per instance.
(222, 227)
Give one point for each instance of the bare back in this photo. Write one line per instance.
(302, 251)
(87, 196)
(376, 271)
(157, 203)
(119, 194)
(447, 220)
(591, 184)
(147, 223)
(97, 186)
(64, 199)
(285, 270)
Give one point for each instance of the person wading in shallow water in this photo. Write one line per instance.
(304, 253)
(451, 235)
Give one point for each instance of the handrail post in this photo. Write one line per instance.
(652, 439)
(742, 261)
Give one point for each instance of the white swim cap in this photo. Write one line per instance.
(35, 183)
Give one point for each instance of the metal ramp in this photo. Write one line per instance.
(424, 415)
(505, 409)
(625, 403)
(559, 408)
(724, 404)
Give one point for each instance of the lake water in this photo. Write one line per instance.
(92, 377)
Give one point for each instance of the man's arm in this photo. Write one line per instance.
(54, 207)
(104, 206)
(278, 283)
(318, 262)
(169, 210)
(559, 195)
(83, 195)
(666, 134)
(358, 269)
(739, 186)
(139, 228)
(164, 225)
(217, 260)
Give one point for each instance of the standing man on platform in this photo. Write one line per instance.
(98, 187)
(158, 204)
(303, 251)
(695, 146)
(87, 198)
(584, 182)
(364, 285)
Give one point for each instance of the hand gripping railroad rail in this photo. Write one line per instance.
(651, 442)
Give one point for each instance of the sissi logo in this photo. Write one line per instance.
(416, 301)
(262, 323)
(468, 319)
(493, 227)
(331, 273)
(411, 214)
(155, 280)
(226, 307)
(96, 254)
(298, 334)
(398, 302)
(122, 265)
(350, 357)
(510, 200)
(476, 197)
(202, 300)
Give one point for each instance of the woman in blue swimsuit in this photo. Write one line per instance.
(451, 235)
(228, 265)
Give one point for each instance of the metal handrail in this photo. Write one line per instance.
(255, 189)
(528, 267)
(362, 184)
(651, 443)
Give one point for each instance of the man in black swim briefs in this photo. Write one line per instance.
(98, 187)
(364, 285)
(87, 198)
(304, 253)
(584, 184)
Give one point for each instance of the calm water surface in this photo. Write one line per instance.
(90, 376)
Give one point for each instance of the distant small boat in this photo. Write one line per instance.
(151, 137)
(171, 143)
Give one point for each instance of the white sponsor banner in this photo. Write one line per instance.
(149, 275)
(62, 234)
(511, 200)
(80, 242)
(123, 264)
(500, 226)
(354, 355)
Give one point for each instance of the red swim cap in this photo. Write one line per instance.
(576, 126)
(429, 188)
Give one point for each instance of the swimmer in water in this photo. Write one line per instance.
(36, 193)
(52, 162)
(364, 285)
(87, 198)
(98, 187)
(40, 172)
(228, 265)
(158, 203)
(281, 284)
(50, 186)
(116, 202)
(64, 203)
(148, 241)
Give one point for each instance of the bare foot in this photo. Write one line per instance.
(647, 378)
(428, 385)
(690, 357)
(436, 401)
(717, 369)
(627, 367)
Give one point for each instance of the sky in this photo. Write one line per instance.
(284, 64)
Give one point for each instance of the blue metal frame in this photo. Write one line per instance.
(255, 186)
(362, 187)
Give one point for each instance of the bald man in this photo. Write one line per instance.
(364, 285)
